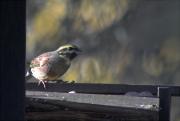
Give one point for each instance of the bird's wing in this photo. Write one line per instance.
(40, 60)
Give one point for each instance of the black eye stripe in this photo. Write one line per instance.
(65, 49)
(70, 48)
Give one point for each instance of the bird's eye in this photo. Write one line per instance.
(70, 48)
(65, 49)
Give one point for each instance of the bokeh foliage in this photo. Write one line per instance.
(123, 41)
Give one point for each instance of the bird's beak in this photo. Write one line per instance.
(78, 51)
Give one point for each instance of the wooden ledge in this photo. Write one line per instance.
(124, 107)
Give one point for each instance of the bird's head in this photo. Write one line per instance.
(68, 51)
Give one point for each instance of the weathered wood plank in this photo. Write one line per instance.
(98, 99)
(123, 106)
(67, 116)
(101, 88)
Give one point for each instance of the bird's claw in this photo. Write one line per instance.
(65, 82)
(43, 82)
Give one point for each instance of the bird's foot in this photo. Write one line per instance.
(43, 82)
(72, 82)
(61, 81)
(65, 82)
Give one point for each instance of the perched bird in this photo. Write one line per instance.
(50, 66)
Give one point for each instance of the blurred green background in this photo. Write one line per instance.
(123, 41)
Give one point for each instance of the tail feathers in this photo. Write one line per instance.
(28, 75)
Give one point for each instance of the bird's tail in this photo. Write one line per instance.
(28, 74)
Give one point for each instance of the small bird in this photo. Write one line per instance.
(50, 66)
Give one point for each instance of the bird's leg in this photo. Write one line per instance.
(41, 81)
(44, 84)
